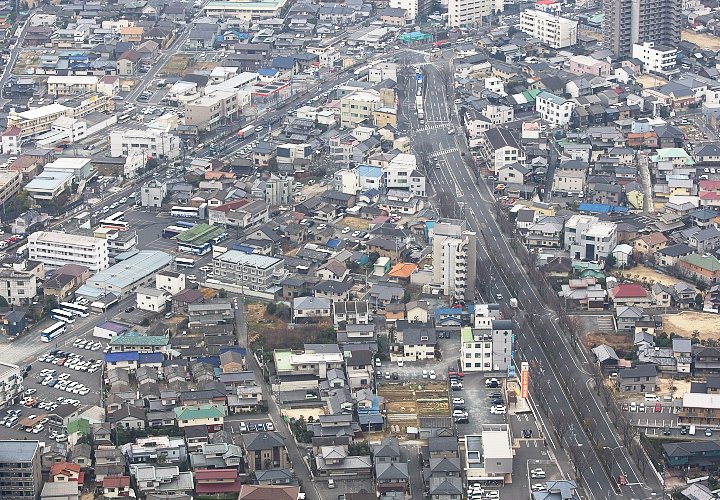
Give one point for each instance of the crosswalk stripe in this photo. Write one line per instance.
(442, 152)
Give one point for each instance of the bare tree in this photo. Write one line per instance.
(580, 465)
(560, 426)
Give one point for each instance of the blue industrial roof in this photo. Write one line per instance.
(113, 327)
(114, 357)
(151, 357)
(601, 208)
(334, 243)
(369, 171)
(449, 310)
(267, 72)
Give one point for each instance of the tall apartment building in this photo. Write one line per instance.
(17, 287)
(552, 30)
(628, 22)
(10, 385)
(588, 238)
(472, 12)
(416, 9)
(454, 250)
(149, 142)
(278, 190)
(57, 249)
(20, 470)
(10, 183)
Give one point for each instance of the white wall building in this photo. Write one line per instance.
(57, 249)
(656, 58)
(17, 287)
(402, 173)
(471, 12)
(588, 238)
(153, 193)
(10, 383)
(454, 250)
(170, 281)
(552, 30)
(151, 299)
(554, 109)
(488, 348)
(155, 143)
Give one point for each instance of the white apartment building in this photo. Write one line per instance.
(278, 190)
(402, 173)
(656, 58)
(208, 111)
(588, 238)
(71, 85)
(454, 250)
(570, 177)
(500, 148)
(153, 193)
(10, 183)
(358, 106)
(488, 348)
(554, 109)
(552, 30)
(472, 12)
(149, 142)
(57, 249)
(18, 288)
(249, 271)
(10, 384)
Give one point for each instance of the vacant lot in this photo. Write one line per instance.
(701, 40)
(181, 64)
(407, 402)
(637, 273)
(355, 223)
(650, 81)
(685, 323)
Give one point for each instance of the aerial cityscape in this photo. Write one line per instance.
(362, 250)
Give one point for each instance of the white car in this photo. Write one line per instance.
(538, 487)
(498, 409)
(433, 375)
(345, 230)
(458, 401)
(400, 363)
(459, 413)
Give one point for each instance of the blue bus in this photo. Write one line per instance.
(185, 224)
(52, 332)
(172, 231)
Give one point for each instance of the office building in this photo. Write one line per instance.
(38, 120)
(472, 12)
(149, 142)
(588, 238)
(487, 348)
(358, 107)
(17, 287)
(454, 249)
(209, 111)
(10, 385)
(628, 22)
(20, 469)
(414, 8)
(57, 249)
(656, 58)
(554, 31)
(248, 271)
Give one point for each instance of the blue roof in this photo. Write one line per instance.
(114, 357)
(211, 360)
(449, 310)
(370, 418)
(113, 327)
(369, 171)
(243, 249)
(372, 192)
(151, 357)
(334, 243)
(267, 72)
(284, 62)
(601, 208)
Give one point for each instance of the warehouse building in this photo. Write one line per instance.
(124, 278)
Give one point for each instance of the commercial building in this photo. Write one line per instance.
(553, 30)
(17, 287)
(486, 349)
(149, 142)
(358, 106)
(588, 238)
(308, 363)
(209, 111)
(80, 168)
(71, 85)
(127, 276)
(454, 250)
(247, 11)
(57, 249)
(38, 120)
(472, 12)
(153, 193)
(554, 109)
(249, 271)
(626, 23)
(656, 58)
(49, 185)
(20, 469)
(10, 385)
(489, 455)
(499, 147)
(10, 182)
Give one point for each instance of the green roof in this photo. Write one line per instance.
(707, 262)
(531, 95)
(672, 153)
(466, 335)
(138, 339)
(200, 234)
(199, 412)
(282, 359)
(80, 425)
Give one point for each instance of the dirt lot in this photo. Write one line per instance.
(26, 59)
(665, 385)
(650, 81)
(181, 64)
(685, 323)
(637, 273)
(621, 342)
(701, 40)
(407, 402)
(355, 223)
(296, 413)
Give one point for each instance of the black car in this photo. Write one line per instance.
(459, 407)
(492, 385)
(395, 376)
(493, 395)
(497, 401)
(683, 430)
(527, 433)
(666, 431)
(462, 420)
(129, 309)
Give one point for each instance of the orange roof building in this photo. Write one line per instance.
(402, 270)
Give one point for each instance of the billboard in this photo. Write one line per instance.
(524, 379)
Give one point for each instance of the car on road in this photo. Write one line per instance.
(191, 277)
(499, 296)
(259, 128)
(458, 401)
(206, 269)
(400, 363)
(433, 375)
(269, 426)
(708, 432)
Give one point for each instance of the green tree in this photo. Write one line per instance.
(223, 293)
(610, 262)
(271, 308)
(3, 302)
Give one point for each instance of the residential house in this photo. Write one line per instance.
(640, 379)
(264, 450)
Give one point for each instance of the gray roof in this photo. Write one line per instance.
(262, 441)
(17, 451)
(391, 471)
(646, 370)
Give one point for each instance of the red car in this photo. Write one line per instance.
(621, 480)
(658, 408)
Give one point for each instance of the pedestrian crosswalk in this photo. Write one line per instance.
(434, 126)
(442, 152)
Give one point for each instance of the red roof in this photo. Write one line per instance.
(708, 185)
(64, 468)
(233, 487)
(116, 482)
(205, 474)
(709, 195)
(628, 291)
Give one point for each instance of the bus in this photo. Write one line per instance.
(172, 231)
(188, 212)
(61, 315)
(220, 238)
(52, 332)
(115, 222)
(182, 223)
(76, 309)
(124, 118)
(184, 262)
(246, 131)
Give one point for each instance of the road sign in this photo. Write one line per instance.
(524, 379)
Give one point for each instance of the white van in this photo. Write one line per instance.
(651, 398)
(692, 430)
